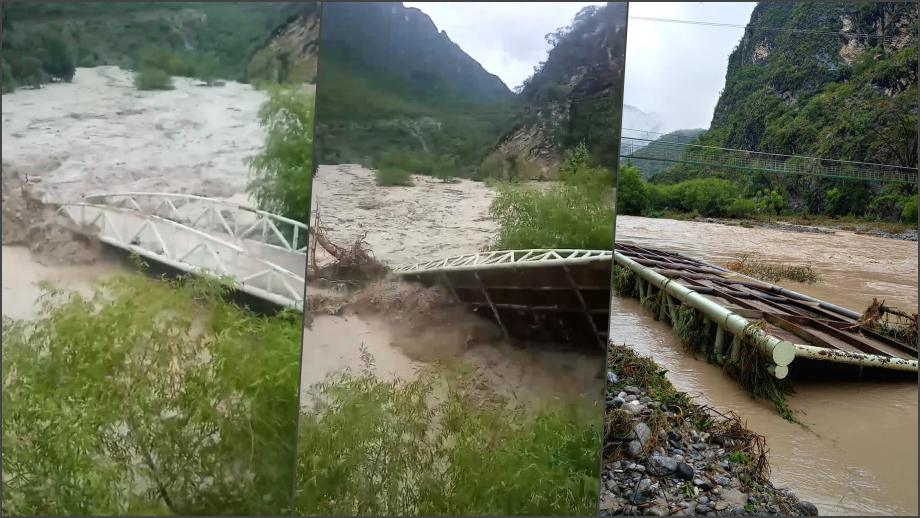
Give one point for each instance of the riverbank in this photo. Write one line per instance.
(822, 225)
(665, 454)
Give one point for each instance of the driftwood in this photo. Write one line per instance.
(353, 263)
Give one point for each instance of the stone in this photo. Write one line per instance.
(808, 508)
(674, 436)
(702, 483)
(723, 481)
(645, 400)
(634, 449)
(660, 465)
(656, 511)
(702, 509)
(611, 377)
(721, 505)
(642, 433)
(644, 484)
(611, 503)
(734, 497)
(684, 471)
(610, 484)
(630, 398)
(616, 402)
(629, 389)
(703, 500)
(633, 407)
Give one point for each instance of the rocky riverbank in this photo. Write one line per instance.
(665, 455)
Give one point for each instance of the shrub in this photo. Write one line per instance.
(507, 166)
(431, 446)
(388, 176)
(707, 196)
(206, 68)
(632, 193)
(58, 59)
(564, 216)
(282, 172)
(149, 397)
(741, 208)
(909, 210)
(9, 84)
(149, 78)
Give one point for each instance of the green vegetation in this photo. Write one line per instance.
(150, 78)
(282, 172)
(432, 446)
(574, 213)
(387, 176)
(370, 116)
(149, 397)
(45, 42)
(800, 96)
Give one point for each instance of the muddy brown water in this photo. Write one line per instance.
(858, 454)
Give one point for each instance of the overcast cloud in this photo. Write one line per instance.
(506, 38)
(673, 71)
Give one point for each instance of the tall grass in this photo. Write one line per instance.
(576, 212)
(432, 447)
(148, 397)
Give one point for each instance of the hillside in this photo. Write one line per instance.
(392, 84)
(572, 98)
(43, 42)
(827, 80)
(649, 168)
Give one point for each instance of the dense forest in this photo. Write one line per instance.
(834, 81)
(45, 42)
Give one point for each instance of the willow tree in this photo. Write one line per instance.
(282, 170)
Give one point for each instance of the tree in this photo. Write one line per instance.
(283, 170)
(632, 195)
(58, 59)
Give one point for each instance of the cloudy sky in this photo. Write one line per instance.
(505, 37)
(673, 71)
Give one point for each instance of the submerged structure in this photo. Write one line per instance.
(747, 325)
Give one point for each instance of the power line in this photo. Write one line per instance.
(773, 29)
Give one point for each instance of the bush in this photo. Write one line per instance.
(707, 196)
(909, 210)
(58, 60)
(206, 68)
(388, 176)
(282, 172)
(9, 84)
(632, 194)
(564, 216)
(149, 397)
(507, 166)
(149, 78)
(172, 63)
(741, 208)
(371, 447)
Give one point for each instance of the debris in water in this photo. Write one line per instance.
(772, 272)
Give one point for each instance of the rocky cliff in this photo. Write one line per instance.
(574, 95)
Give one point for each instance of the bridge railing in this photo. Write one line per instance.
(209, 214)
(680, 152)
(187, 249)
(508, 258)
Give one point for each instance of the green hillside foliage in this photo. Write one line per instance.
(666, 142)
(366, 115)
(794, 93)
(43, 42)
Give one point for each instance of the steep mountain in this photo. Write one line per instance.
(291, 52)
(573, 96)
(635, 118)
(827, 80)
(390, 82)
(669, 142)
(43, 41)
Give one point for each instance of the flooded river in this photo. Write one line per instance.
(859, 453)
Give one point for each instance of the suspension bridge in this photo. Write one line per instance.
(647, 145)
